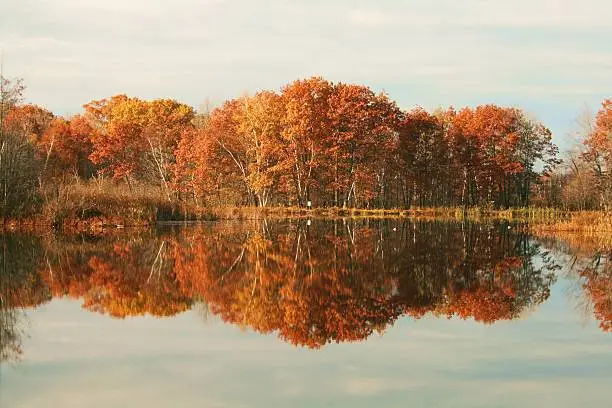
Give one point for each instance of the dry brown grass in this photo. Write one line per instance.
(106, 203)
(584, 232)
(594, 222)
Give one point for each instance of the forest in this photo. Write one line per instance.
(313, 143)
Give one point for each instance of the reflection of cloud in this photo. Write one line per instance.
(435, 335)
(541, 393)
(293, 391)
(369, 17)
(372, 386)
(548, 361)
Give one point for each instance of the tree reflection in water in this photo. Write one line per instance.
(331, 281)
(592, 271)
(597, 285)
(341, 281)
(589, 266)
(21, 287)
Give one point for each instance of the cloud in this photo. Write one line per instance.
(369, 17)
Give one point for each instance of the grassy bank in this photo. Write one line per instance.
(583, 231)
(442, 213)
(586, 221)
(103, 205)
(99, 206)
(540, 221)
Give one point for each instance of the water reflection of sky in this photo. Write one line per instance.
(75, 358)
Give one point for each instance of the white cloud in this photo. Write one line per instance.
(370, 17)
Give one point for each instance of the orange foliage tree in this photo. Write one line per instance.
(424, 154)
(599, 153)
(495, 151)
(31, 121)
(133, 138)
(66, 146)
(362, 139)
(238, 147)
(316, 141)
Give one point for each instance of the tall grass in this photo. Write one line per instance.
(106, 203)
(586, 221)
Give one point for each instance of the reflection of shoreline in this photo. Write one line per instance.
(328, 282)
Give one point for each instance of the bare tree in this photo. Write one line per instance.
(18, 161)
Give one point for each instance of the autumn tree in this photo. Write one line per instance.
(338, 144)
(361, 139)
(534, 154)
(260, 128)
(599, 152)
(110, 141)
(496, 151)
(134, 138)
(584, 178)
(424, 155)
(316, 140)
(66, 146)
(193, 174)
(247, 132)
(306, 125)
(480, 138)
(30, 121)
(212, 161)
(331, 144)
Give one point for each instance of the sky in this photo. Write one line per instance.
(549, 57)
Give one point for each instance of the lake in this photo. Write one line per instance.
(277, 313)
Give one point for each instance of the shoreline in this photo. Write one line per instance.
(143, 215)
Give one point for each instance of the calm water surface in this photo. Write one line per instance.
(281, 313)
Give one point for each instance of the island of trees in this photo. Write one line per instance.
(313, 143)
